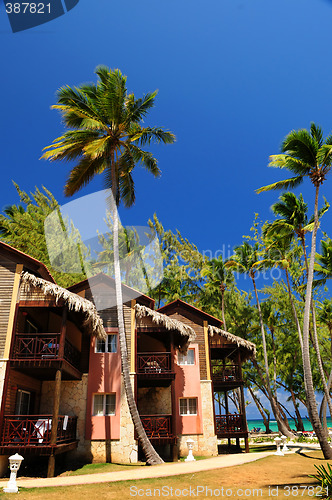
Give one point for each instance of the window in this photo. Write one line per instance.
(188, 406)
(108, 345)
(187, 359)
(22, 405)
(103, 404)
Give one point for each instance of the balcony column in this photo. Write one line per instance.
(57, 391)
(174, 446)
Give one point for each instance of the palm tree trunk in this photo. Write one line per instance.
(294, 311)
(322, 410)
(309, 386)
(151, 455)
(281, 425)
(299, 426)
(223, 306)
(315, 340)
(259, 406)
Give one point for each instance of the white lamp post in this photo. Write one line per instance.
(278, 441)
(190, 444)
(14, 464)
(284, 440)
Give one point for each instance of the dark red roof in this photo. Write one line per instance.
(22, 258)
(180, 304)
(103, 278)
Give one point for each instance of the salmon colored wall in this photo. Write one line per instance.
(104, 377)
(188, 385)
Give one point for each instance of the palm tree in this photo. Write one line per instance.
(306, 154)
(106, 137)
(218, 278)
(246, 260)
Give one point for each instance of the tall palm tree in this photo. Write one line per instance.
(106, 136)
(306, 154)
(246, 260)
(294, 223)
(218, 278)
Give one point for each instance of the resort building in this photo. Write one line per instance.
(61, 382)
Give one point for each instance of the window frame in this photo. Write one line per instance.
(104, 396)
(18, 402)
(188, 406)
(106, 351)
(183, 360)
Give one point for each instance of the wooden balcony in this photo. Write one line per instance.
(230, 425)
(38, 355)
(158, 428)
(226, 376)
(32, 433)
(154, 368)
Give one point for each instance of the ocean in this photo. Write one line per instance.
(274, 428)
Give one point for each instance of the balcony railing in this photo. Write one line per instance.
(154, 363)
(226, 373)
(230, 424)
(35, 430)
(157, 426)
(44, 346)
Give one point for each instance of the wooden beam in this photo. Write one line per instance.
(63, 333)
(55, 420)
(207, 350)
(132, 337)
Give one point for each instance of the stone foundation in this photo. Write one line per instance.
(73, 403)
(205, 444)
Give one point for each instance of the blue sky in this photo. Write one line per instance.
(234, 77)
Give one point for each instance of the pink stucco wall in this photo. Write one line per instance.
(104, 377)
(187, 385)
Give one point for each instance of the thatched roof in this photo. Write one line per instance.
(240, 342)
(167, 322)
(74, 302)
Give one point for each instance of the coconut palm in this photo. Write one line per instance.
(218, 278)
(306, 154)
(293, 222)
(106, 137)
(246, 261)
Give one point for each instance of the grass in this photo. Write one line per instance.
(281, 477)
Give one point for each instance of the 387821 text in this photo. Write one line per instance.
(27, 8)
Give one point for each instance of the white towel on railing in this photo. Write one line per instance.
(65, 422)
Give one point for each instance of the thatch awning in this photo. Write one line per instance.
(74, 302)
(168, 323)
(250, 347)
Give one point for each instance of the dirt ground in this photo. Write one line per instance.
(271, 477)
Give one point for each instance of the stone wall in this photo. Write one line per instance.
(154, 400)
(124, 450)
(72, 403)
(206, 443)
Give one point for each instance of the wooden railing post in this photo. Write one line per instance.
(57, 391)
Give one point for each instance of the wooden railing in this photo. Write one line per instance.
(225, 373)
(157, 426)
(156, 362)
(230, 423)
(35, 430)
(44, 346)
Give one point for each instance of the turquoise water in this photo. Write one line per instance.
(274, 427)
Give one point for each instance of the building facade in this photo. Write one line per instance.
(61, 381)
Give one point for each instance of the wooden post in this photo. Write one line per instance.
(57, 392)
(175, 450)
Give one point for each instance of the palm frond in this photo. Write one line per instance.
(285, 184)
(83, 172)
